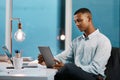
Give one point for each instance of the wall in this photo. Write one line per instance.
(41, 23)
(105, 17)
(2, 24)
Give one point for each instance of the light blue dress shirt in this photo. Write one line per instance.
(91, 53)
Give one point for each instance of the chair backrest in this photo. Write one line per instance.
(113, 66)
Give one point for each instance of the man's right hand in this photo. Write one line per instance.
(58, 64)
(41, 60)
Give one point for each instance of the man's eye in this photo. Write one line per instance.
(79, 20)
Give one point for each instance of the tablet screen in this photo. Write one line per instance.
(47, 55)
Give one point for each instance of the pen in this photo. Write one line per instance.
(18, 54)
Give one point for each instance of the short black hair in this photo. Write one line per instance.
(83, 10)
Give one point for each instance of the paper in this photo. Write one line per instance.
(35, 63)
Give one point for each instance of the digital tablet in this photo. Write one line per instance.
(47, 56)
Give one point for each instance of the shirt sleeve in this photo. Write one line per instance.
(100, 59)
(66, 56)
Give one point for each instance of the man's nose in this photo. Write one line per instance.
(77, 23)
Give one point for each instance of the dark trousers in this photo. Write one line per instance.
(72, 72)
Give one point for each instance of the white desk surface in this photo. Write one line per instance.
(28, 74)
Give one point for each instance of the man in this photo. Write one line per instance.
(87, 55)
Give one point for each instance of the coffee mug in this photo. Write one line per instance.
(17, 63)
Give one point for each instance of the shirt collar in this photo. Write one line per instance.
(91, 35)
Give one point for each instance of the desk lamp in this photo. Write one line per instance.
(19, 34)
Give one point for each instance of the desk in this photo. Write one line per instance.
(28, 74)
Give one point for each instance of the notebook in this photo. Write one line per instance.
(9, 55)
(47, 56)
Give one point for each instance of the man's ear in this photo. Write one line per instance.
(89, 18)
